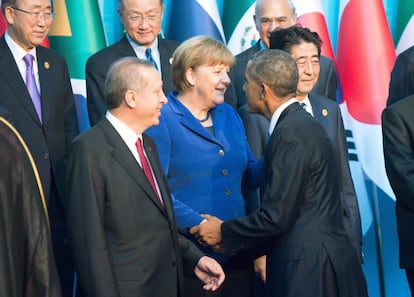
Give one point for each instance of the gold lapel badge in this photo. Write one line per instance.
(46, 65)
(325, 112)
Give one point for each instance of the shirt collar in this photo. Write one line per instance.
(127, 134)
(278, 112)
(17, 51)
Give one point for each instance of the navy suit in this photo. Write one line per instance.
(47, 141)
(398, 134)
(308, 251)
(402, 77)
(98, 65)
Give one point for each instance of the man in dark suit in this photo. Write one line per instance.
(308, 251)
(142, 20)
(269, 16)
(402, 77)
(49, 128)
(305, 48)
(398, 136)
(120, 215)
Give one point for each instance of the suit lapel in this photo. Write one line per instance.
(320, 112)
(124, 157)
(46, 70)
(11, 74)
(187, 120)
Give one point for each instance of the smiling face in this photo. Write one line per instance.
(28, 30)
(210, 82)
(307, 58)
(150, 99)
(142, 19)
(272, 15)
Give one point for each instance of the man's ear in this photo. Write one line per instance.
(130, 98)
(262, 90)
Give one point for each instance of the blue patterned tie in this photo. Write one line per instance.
(31, 85)
(149, 57)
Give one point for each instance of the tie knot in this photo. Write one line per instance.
(28, 59)
(303, 104)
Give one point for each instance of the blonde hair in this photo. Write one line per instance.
(194, 52)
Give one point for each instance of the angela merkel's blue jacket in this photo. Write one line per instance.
(205, 172)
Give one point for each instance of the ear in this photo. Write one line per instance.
(189, 75)
(263, 90)
(9, 14)
(131, 98)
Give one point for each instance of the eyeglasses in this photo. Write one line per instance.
(37, 15)
(148, 18)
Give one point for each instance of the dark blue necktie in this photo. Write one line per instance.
(149, 57)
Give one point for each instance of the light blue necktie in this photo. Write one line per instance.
(31, 85)
(149, 57)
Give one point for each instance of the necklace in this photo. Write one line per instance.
(206, 118)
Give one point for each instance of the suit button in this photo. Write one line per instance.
(227, 192)
(175, 263)
(44, 128)
(221, 153)
(224, 172)
(46, 156)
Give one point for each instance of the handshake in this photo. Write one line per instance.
(208, 232)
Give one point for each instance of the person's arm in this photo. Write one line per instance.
(71, 118)
(398, 154)
(402, 79)
(85, 219)
(95, 81)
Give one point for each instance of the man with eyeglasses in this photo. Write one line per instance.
(142, 20)
(35, 89)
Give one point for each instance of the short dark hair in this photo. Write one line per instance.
(276, 69)
(285, 39)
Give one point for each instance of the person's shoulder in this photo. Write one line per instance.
(49, 53)
(405, 105)
(314, 97)
(248, 52)
(408, 52)
(168, 43)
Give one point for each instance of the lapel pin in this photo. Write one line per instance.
(46, 65)
(325, 112)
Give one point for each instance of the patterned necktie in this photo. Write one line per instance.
(149, 57)
(146, 168)
(31, 85)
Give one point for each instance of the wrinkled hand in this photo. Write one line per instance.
(260, 267)
(210, 273)
(209, 232)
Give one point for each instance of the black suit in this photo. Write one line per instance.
(326, 85)
(47, 141)
(98, 65)
(309, 253)
(124, 242)
(402, 77)
(398, 134)
(255, 124)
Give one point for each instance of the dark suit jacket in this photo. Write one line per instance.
(47, 141)
(98, 65)
(300, 214)
(328, 114)
(326, 85)
(124, 243)
(398, 134)
(402, 77)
